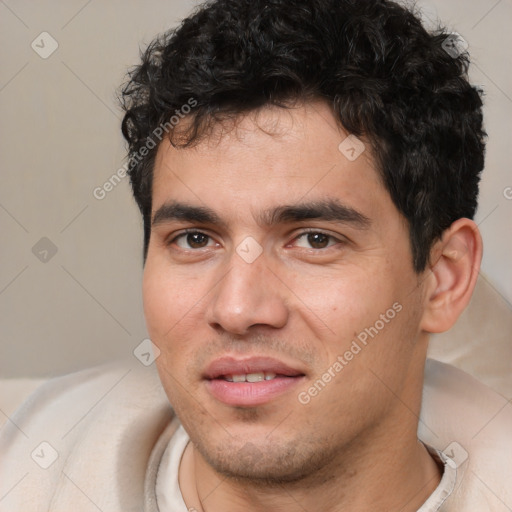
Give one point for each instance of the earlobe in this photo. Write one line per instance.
(454, 271)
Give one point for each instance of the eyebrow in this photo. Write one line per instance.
(327, 210)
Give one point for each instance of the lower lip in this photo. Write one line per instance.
(248, 394)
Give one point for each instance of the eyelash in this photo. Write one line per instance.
(299, 235)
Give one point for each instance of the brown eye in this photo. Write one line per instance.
(193, 240)
(318, 240)
(197, 240)
(315, 240)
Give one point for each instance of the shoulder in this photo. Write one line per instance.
(472, 424)
(80, 436)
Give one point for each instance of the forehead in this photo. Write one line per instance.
(270, 157)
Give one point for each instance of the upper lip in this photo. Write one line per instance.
(233, 366)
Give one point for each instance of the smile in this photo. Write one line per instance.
(250, 377)
(250, 382)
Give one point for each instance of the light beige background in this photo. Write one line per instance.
(60, 139)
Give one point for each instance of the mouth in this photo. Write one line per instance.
(250, 382)
(250, 377)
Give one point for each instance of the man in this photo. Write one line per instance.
(307, 174)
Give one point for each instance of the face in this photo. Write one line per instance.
(280, 291)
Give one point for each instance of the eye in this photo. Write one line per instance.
(315, 240)
(193, 240)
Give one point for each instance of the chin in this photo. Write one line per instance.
(268, 464)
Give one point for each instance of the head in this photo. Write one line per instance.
(243, 125)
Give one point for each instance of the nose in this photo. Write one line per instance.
(248, 295)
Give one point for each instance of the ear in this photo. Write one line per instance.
(455, 263)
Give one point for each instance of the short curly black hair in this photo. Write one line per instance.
(384, 76)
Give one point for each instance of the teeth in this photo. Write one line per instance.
(255, 377)
(250, 377)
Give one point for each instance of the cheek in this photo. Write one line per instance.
(157, 298)
(170, 305)
(347, 301)
(167, 299)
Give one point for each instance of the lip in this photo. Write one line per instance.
(232, 366)
(250, 394)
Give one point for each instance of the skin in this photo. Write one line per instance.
(303, 301)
